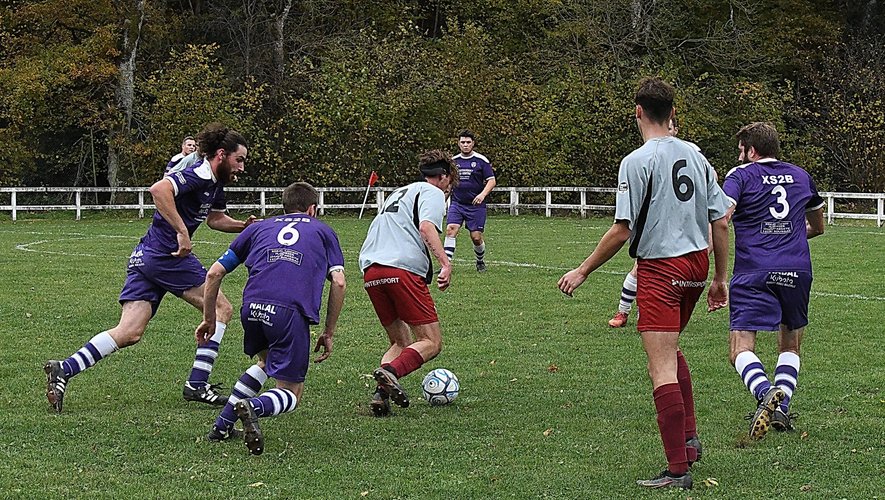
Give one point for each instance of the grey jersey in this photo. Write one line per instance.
(393, 238)
(667, 191)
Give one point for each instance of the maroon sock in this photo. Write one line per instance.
(684, 378)
(408, 361)
(671, 417)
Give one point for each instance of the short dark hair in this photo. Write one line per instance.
(187, 138)
(216, 136)
(656, 98)
(299, 196)
(467, 133)
(762, 136)
(438, 162)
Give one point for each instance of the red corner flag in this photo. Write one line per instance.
(373, 178)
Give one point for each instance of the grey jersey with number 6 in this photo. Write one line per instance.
(667, 191)
(393, 238)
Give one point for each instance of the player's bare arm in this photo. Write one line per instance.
(210, 297)
(163, 194)
(431, 238)
(333, 310)
(717, 295)
(220, 221)
(814, 223)
(490, 185)
(608, 246)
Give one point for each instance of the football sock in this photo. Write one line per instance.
(449, 247)
(480, 251)
(628, 294)
(408, 361)
(274, 402)
(752, 373)
(683, 375)
(671, 424)
(205, 357)
(97, 348)
(246, 387)
(786, 376)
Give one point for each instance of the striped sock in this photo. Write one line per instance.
(97, 348)
(786, 375)
(245, 388)
(449, 247)
(274, 402)
(205, 358)
(628, 294)
(480, 251)
(752, 373)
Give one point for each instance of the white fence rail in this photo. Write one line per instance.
(334, 198)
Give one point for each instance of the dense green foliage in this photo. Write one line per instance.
(98, 92)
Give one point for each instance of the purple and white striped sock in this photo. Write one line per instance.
(750, 368)
(205, 358)
(246, 387)
(786, 375)
(274, 402)
(94, 351)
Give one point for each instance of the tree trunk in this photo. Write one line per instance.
(279, 44)
(125, 95)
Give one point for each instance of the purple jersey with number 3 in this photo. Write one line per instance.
(771, 198)
(289, 258)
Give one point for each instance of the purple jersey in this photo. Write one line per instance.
(474, 171)
(771, 198)
(197, 191)
(288, 257)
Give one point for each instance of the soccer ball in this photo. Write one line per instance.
(440, 387)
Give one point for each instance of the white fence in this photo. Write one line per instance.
(335, 198)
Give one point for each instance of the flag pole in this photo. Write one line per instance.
(373, 178)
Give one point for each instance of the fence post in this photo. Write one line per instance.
(379, 199)
(322, 202)
(583, 203)
(77, 203)
(514, 201)
(263, 203)
(12, 200)
(548, 196)
(140, 204)
(830, 206)
(880, 215)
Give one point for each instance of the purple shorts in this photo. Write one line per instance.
(765, 300)
(150, 275)
(471, 216)
(284, 332)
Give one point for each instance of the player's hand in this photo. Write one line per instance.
(444, 279)
(479, 199)
(251, 220)
(717, 295)
(184, 245)
(204, 332)
(324, 342)
(570, 281)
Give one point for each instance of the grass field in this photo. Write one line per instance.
(553, 403)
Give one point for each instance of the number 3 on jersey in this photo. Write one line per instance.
(288, 235)
(781, 200)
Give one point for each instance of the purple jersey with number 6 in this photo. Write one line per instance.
(288, 257)
(771, 198)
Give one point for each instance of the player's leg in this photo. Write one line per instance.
(476, 223)
(133, 321)
(382, 284)
(628, 295)
(454, 220)
(197, 387)
(786, 375)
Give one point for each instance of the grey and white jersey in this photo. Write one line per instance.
(394, 239)
(667, 191)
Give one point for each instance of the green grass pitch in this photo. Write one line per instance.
(553, 402)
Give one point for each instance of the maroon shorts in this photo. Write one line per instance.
(668, 289)
(399, 294)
